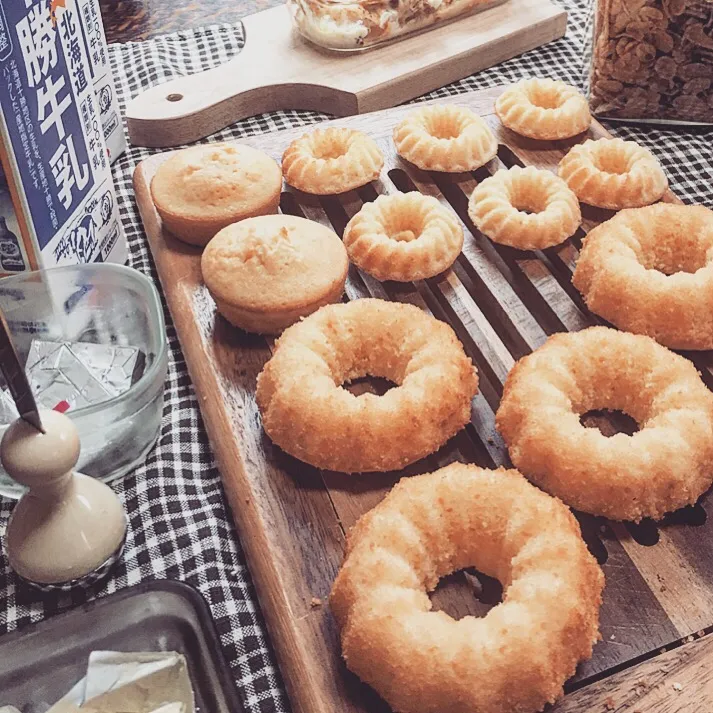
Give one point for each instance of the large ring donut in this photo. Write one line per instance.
(664, 466)
(613, 173)
(519, 655)
(650, 271)
(526, 208)
(543, 109)
(403, 237)
(309, 415)
(445, 138)
(331, 161)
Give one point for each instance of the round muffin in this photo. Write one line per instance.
(664, 466)
(650, 271)
(331, 161)
(613, 173)
(266, 273)
(403, 237)
(446, 138)
(525, 208)
(201, 190)
(545, 109)
(306, 411)
(519, 655)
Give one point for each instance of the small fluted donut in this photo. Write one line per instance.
(332, 160)
(614, 174)
(543, 109)
(650, 271)
(526, 208)
(403, 237)
(445, 138)
(664, 466)
(307, 412)
(519, 655)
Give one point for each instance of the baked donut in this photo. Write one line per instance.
(613, 173)
(545, 109)
(519, 655)
(526, 208)
(309, 415)
(332, 160)
(444, 137)
(404, 237)
(664, 466)
(268, 272)
(650, 271)
(201, 190)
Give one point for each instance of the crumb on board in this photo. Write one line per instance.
(609, 704)
(612, 637)
(315, 602)
(677, 686)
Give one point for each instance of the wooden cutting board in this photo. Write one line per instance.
(277, 69)
(292, 518)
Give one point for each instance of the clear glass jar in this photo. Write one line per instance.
(652, 60)
(359, 24)
(95, 304)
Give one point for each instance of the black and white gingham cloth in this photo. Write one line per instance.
(180, 527)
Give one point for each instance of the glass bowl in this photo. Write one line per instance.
(55, 316)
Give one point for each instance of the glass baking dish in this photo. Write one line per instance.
(102, 304)
(349, 25)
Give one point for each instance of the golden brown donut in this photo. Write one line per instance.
(444, 137)
(545, 109)
(613, 173)
(268, 272)
(520, 654)
(664, 466)
(403, 237)
(526, 208)
(309, 415)
(201, 190)
(650, 271)
(332, 160)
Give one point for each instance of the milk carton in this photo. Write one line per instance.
(57, 201)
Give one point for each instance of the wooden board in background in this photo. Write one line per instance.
(277, 69)
(292, 518)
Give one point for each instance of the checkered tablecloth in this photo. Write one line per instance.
(180, 527)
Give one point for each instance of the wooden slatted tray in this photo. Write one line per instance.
(292, 518)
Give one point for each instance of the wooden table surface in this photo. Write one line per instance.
(126, 20)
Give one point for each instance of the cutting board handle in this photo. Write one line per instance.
(277, 69)
(257, 80)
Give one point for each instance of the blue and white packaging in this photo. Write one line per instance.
(55, 169)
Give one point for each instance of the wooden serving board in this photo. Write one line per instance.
(277, 69)
(292, 518)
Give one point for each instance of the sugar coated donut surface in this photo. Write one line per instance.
(446, 138)
(544, 109)
(664, 466)
(331, 161)
(306, 411)
(404, 237)
(517, 657)
(614, 174)
(650, 271)
(526, 208)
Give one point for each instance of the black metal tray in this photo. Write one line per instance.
(41, 662)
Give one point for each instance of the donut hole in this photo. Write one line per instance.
(611, 160)
(376, 385)
(328, 148)
(672, 250)
(403, 225)
(527, 197)
(609, 422)
(467, 592)
(445, 126)
(545, 97)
